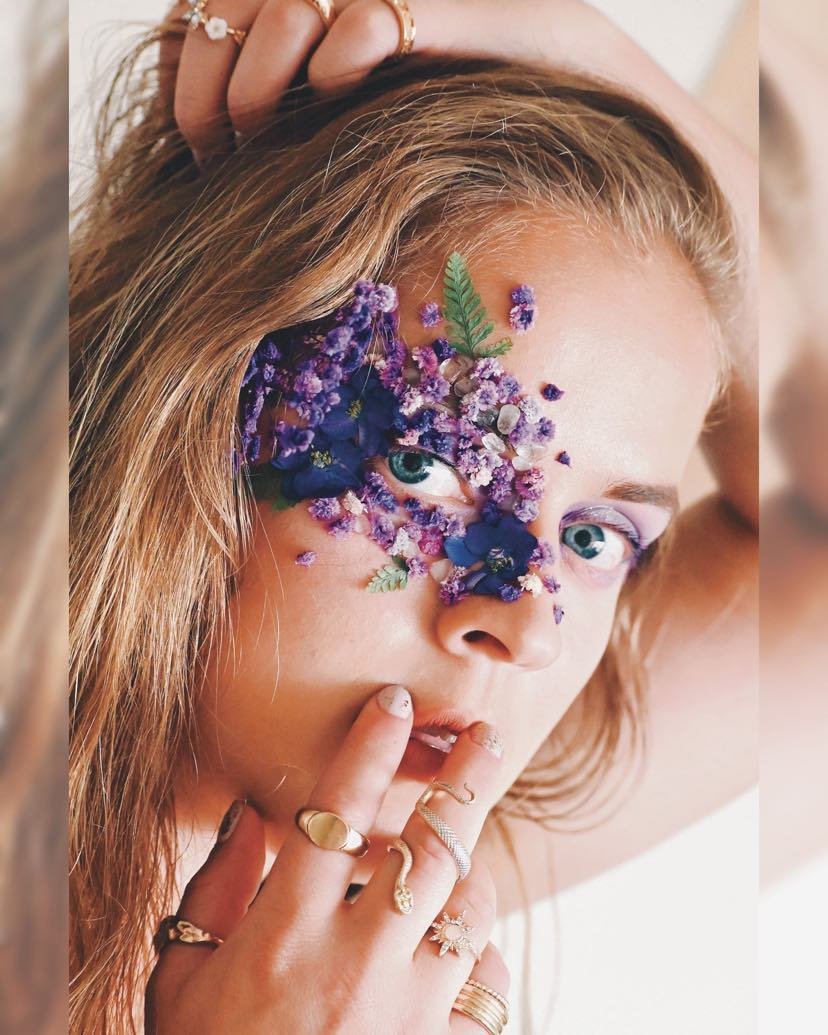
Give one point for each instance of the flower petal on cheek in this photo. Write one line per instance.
(457, 551)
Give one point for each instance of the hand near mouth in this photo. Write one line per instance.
(319, 960)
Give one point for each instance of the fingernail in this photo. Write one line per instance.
(231, 818)
(395, 700)
(488, 737)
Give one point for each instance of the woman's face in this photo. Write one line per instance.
(628, 340)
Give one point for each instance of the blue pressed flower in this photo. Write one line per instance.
(291, 439)
(443, 349)
(306, 559)
(564, 458)
(558, 613)
(327, 468)
(510, 592)
(504, 546)
(552, 392)
(522, 295)
(365, 412)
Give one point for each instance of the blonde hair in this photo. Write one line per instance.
(175, 276)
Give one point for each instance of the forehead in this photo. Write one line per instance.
(627, 335)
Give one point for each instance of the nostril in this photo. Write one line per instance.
(491, 645)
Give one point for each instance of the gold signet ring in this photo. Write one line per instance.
(330, 831)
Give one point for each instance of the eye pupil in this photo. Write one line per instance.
(586, 540)
(409, 465)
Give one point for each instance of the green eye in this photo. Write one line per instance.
(410, 465)
(585, 540)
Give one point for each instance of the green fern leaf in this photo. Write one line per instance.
(468, 323)
(390, 577)
(500, 348)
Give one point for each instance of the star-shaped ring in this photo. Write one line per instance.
(453, 934)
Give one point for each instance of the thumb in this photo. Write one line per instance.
(218, 895)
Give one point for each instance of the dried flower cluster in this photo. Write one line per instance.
(355, 393)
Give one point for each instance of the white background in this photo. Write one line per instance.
(664, 944)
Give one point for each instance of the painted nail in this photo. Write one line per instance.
(395, 700)
(231, 818)
(488, 737)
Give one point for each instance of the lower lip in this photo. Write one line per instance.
(421, 761)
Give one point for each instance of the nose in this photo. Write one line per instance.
(522, 633)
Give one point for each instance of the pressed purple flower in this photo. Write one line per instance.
(551, 392)
(526, 510)
(383, 530)
(550, 583)
(337, 341)
(434, 388)
(564, 458)
(308, 384)
(530, 484)
(292, 439)
(558, 613)
(417, 567)
(342, 527)
(377, 494)
(488, 369)
(429, 314)
(522, 318)
(544, 430)
(413, 531)
(432, 542)
(306, 559)
(426, 359)
(453, 525)
(522, 295)
(384, 298)
(453, 588)
(544, 554)
(500, 487)
(443, 349)
(475, 404)
(509, 592)
(508, 389)
(325, 509)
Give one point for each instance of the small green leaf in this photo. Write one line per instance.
(266, 483)
(390, 577)
(500, 348)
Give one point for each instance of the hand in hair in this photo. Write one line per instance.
(217, 88)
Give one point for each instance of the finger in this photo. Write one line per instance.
(276, 48)
(173, 34)
(473, 902)
(492, 972)
(203, 76)
(306, 880)
(472, 764)
(362, 37)
(219, 894)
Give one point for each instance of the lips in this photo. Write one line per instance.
(442, 740)
(439, 730)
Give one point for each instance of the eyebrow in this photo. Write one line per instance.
(664, 496)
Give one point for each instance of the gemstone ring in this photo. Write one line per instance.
(215, 28)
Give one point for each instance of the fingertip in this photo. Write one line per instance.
(395, 700)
